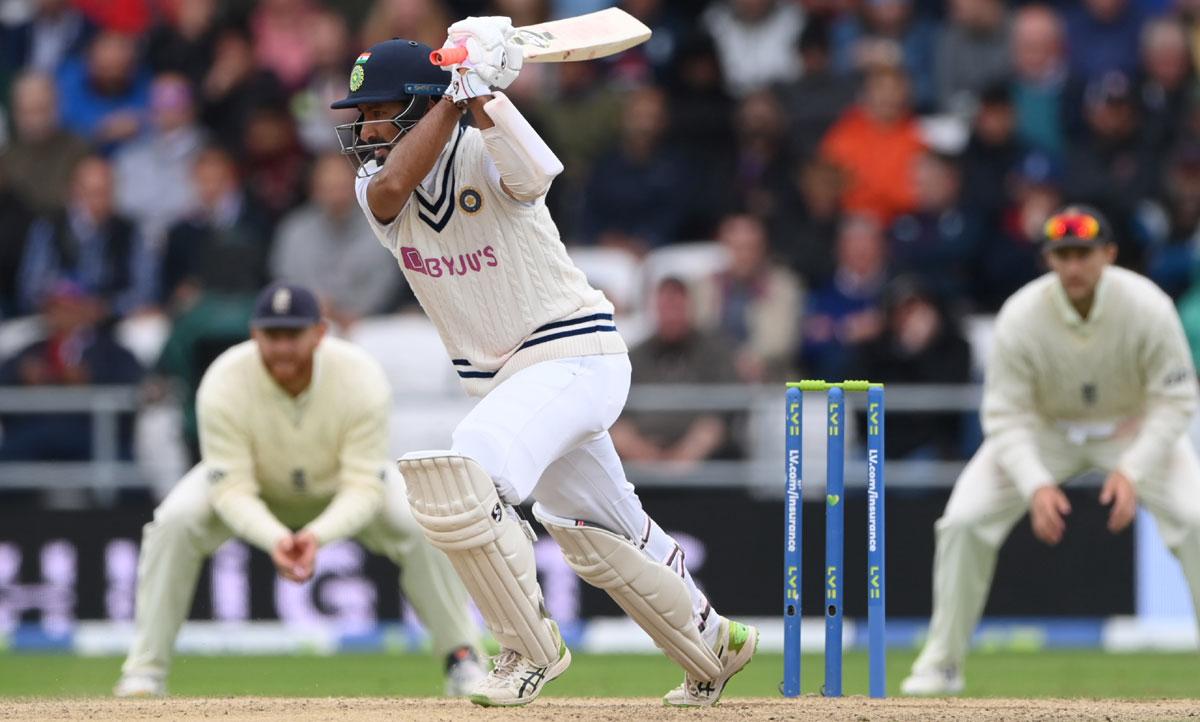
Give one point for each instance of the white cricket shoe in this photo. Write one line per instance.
(140, 685)
(934, 682)
(736, 644)
(515, 681)
(463, 672)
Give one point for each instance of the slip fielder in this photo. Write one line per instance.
(293, 435)
(1090, 370)
(463, 210)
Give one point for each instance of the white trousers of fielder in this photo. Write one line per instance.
(185, 530)
(985, 505)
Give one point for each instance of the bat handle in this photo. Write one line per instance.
(448, 56)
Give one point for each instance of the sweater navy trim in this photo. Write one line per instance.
(448, 183)
(565, 334)
(544, 339)
(574, 321)
(436, 206)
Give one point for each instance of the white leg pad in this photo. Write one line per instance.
(651, 593)
(455, 502)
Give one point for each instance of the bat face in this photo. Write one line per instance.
(584, 37)
(595, 35)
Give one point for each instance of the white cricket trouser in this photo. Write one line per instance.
(543, 433)
(985, 505)
(185, 530)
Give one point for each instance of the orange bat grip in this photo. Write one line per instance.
(448, 56)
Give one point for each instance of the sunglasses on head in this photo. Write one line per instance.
(1073, 224)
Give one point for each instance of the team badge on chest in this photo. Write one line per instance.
(469, 200)
(1089, 394)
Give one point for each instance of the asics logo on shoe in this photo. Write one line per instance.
(531, 681)
(705, 688)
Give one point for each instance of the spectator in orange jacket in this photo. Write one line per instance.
(877, 143)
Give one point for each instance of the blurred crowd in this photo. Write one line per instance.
(872, 171)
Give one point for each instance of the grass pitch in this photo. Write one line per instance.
(1013, 675)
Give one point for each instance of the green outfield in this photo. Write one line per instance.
(1026, 674)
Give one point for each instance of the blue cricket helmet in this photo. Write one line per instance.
(393, 71)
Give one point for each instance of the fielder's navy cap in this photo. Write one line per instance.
(1076, 226)
(286, 305)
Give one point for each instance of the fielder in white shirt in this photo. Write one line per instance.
(1090, 370)
(463, 210)
(293, 435)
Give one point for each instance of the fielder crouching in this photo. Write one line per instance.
(1090, 370)
(293, 435)
(463, 210)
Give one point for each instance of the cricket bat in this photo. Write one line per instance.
(584, 37)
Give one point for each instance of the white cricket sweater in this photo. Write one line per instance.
(260, 446)
(491, 272)
(1127, 362)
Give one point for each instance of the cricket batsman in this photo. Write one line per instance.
(293, 436)
(1090, 370)
(463, 210)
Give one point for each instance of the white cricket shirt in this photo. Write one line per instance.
(491, 271)
(1051, 370)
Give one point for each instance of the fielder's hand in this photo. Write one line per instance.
(1046, 511)
(490, 50)
(295, 556)
(1118, 491)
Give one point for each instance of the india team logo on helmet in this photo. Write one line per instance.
(359, 72)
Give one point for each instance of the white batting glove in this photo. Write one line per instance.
(503, 74)
(490, 50)
(465, 84)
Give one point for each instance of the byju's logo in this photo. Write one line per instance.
(438, 266)
(412, 260)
